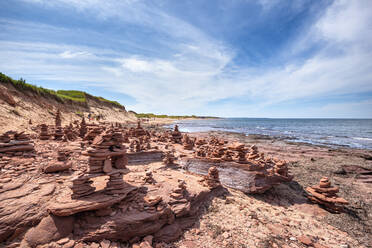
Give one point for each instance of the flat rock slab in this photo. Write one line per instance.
(63, 205)
(144, 157)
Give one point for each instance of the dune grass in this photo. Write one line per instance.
(59, 95)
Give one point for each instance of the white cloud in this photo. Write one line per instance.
(70, 55)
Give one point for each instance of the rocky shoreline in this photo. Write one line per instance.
(309, 162)
(122, 185)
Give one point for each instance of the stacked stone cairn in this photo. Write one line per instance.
(15, 144)
(326, 195)
(241, 150)
(187, 143)
(81, 186)
(212, 180)
(139, 131)
(281, 168)
(253, 154)
(44, 135)
(116, 184)
(179, 192)
(169, 158)
(148, 178)
(83, 128)
(105, 153)
(176, 135)
(58, 133)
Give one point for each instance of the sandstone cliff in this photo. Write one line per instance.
(20, 102)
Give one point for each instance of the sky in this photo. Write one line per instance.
(228, 58)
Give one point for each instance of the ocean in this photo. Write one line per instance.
(355, 133)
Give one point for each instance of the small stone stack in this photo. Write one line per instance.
(139, 131)
(115, 183)
(176, 135)
(187, 143)
(58, 120)
(120, 161)
(212, 181)
(83, 128)
(81, 186)
(58, 133)
(281, 168)
(149, 178)
(169, 158)
(99, 154)
(69, 134)
(240, 148)
(253, 154)
(44, 135)
(326, 195)
(179, 192)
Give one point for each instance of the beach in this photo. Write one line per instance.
(309, 163)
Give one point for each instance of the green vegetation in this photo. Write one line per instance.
(151, 115)
(59, 95)
(73, 95)
(105, 100)
(21, 85)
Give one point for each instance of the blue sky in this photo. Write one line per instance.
(231, 58)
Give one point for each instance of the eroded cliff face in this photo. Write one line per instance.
(18, 108)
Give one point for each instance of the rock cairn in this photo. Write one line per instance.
(148, 178)
(241, 151)
(58, 120)
(105, 153)
(58, 132)
(83, 128)
(187, 143)
(115, 183)
(212, 180)
(176, 135)
(15, 144)
(139, 131)
(169, 158)
(253, 154)
(326, 195)
(81, 186)
(69, 133)
(44, 135)
(179, 192)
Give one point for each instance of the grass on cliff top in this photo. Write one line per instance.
(59, 95)
(151, 115)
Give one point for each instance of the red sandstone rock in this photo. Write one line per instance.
(44, 135)
(326, 195)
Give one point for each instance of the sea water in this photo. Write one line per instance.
(355, 133)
